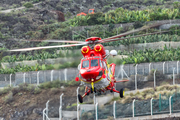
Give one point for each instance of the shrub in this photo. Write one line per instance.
(159, 75)
(54, 90)
(28, 5)
(74, 83)
(5, 58)
(8, 98)
(37, 90)
(6, 90)
(45, 85)
(15, 90)
(176, 5)
(23, 86)
(31, 88)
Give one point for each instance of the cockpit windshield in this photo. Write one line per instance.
(91, 63)
(94, 63)
(85, 64)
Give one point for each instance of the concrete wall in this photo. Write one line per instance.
(168, 23)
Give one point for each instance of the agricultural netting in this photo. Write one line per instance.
(124, 110)
(161, 105)
(105, 111)
(142, 108)
(165, 104)
(176, 103)
(87, 112)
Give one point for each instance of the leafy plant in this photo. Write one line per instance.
(28, 5)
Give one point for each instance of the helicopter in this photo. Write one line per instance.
(94, 71)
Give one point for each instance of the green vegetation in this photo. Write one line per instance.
(121, 15)
(39, 56)
(28, 5)
(135, 57)
(148, 55)
(126, 42)
(8, 98)
(23, 68)
(145, 39)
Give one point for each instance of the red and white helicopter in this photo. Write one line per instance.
(94, 71)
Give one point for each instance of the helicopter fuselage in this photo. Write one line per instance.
(95, 72)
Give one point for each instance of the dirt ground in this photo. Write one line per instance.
(26, 101)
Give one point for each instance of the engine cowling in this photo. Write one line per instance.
(100, 49)
(85, 50)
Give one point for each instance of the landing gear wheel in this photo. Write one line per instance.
(80, 98)
(121, 93)
(111, 90)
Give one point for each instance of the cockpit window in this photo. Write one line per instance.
(94, 63)
(85, 64)
(100, 63)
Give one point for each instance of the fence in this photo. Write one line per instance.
(149, 74)
(166, 104)
(139, 75)
(136, 108)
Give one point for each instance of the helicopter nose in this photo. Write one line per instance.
(89, 74)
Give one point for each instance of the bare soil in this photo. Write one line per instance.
(26, 101)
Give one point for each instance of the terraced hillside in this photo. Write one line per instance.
(113, 17)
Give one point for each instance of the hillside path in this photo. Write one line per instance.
(19, 8)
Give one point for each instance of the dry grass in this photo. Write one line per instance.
(126, 89)
(164, 83)
(137, 93)
(110, 118)
(126, 99)
(165, 91)
(148, 96)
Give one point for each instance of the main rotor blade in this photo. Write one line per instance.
(133, 31)
(111, 40)
(37, 48)
(59, 41)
